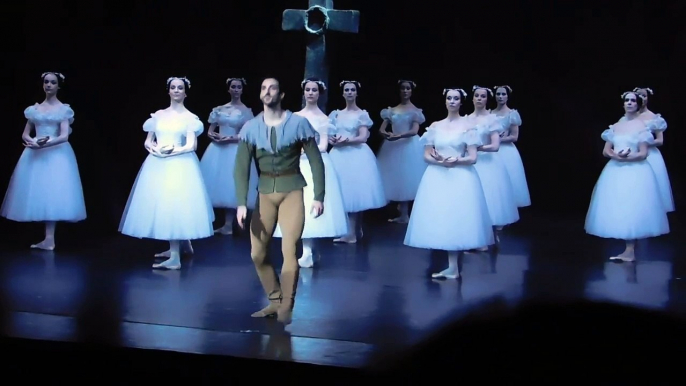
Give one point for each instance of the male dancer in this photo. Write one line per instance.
(275, 139)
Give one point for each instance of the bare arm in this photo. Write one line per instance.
(323, 143)
(659, 138)
(512, 136)
(361, 137)
(190, 146)
(608, 151)
(494, 146)
(410, 133)
(382, 129)
(641, 155)
(26, 135)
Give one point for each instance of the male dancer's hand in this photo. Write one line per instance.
(317, 208)
(241, 214)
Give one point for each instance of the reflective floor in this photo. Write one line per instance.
(359, 301)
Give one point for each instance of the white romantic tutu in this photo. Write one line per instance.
(334, 221)
(401, 164)
(450, 212)
(359, 177)
(45, 186)
(660, 169)
(498, 189)
(169, 201)
(515, 169)
(217, 167)
(626, 203)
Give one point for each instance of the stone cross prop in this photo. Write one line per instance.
(316, 20)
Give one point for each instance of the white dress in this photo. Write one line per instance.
(46, 184)
(218, 161)
(495, 179)
(450, 212)
(657, 162)
(513, 161)
(334, 221)
(626, 203)
(401, 162)
(168, 200)
(356, 166)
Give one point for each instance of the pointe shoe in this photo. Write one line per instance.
(445, 275)
(165, 265)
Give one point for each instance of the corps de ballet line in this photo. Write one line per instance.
(309, 175)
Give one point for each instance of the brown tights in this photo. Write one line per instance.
(289, 210)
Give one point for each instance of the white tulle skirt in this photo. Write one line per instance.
(45, 186)
(626, 203)
(169, 201)
(450, 212)
(334, 221)
(515, 169)
(217, 167)
(498, 189)
(402, 165)
(660, 169)
(359, 177)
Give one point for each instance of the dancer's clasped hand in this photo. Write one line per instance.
(241, 214)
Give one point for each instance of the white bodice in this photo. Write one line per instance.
(451, 139)
(486, 125)
(48, 123)
(401, 122)
(347, 123)
(509, 119)
(230, 119)
(321, 125)
(628, 135)
(172, 128)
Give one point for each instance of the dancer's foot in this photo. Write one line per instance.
(285, 315)
(400, 220)
(172, 263)
(306, 261)
(186, 249)
(346, 240)
(449, 273)
(47, 245)
(627, 256)
(268, 311)
(226, 230)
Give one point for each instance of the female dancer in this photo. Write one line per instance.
(655, 159)
(450, 212)
(401, 156)
(508, 151)
(46, 184)
(354, 162)
(492, 171)
(626, 203)
(334, 221)
(169, 200)
(217, 162)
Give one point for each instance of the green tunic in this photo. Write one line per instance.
(277, 151)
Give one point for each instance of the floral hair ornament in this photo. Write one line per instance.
(358, 84)
(508, 88)
(463, 94)
(401, 81)
(57, 74)
(183, 79)
(648, 90)
(318, 82)
(632, 92)
(476, 87)
(229, 80)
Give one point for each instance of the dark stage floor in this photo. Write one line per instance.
(362, 300)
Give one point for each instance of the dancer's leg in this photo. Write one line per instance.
(629, 252)
(306, 260)
(262, 225)
(452, 272)
(174, 261)
(227, 228)
(292, 222)
(48, 243)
